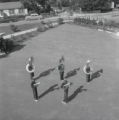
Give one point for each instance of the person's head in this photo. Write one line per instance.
(31, 59)
(88, 62)
(61, 60)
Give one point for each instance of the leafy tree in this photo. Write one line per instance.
(8, 0)
(94, 4)
(37, 5)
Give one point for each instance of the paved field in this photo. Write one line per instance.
(98, 100)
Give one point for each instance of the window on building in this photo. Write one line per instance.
(21, 11)
(1, 13)
(11, 12)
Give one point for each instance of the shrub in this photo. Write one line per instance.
(60, 21)
(100, 23)
(46, 26)
(12, 19)
(41, 28)
(49, 24)
(8, 45)
(14, 28)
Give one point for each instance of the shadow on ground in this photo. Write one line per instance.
(45, 73)
(72, 73)
(75, 93)
(50, 89)
(96, 75)
(18, 47)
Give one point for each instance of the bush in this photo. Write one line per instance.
(12, 19)
(60, 21)
(46, 26)
(103, 10)
(49, 24)
(14, 28)
(41, 28)
(8, 45)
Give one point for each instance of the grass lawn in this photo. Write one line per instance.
(21, 27)
(98, 100)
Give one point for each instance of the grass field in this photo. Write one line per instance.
(22, 27)
(98, 100)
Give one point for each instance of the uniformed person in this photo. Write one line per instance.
(61, 68)
(88, 71)
(65, 87)
(34, 86)
(30, 68)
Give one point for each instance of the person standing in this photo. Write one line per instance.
(88, 70)
(66, 91)
(61, 68)
(34, 86)
(30, 68)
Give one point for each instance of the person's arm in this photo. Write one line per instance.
(68, 84)
(36, 84)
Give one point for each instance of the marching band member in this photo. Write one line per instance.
(66, 91)
(61, 68)
(88, 70)
(30, 68)
(34, 86)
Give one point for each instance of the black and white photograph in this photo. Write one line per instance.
(59, 59)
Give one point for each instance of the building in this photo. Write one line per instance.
(12, 9)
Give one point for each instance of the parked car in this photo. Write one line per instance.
(33, 16)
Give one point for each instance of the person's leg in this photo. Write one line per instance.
(35, 93)
(32, 75)
(88, 78)
(66, 97)
(62, 75)
(65, 94)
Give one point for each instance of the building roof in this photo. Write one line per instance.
(10, 5)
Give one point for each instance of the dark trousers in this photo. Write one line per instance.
(62, 75)
(32, 75)
(66, 90)
(88, 77)
(35, 92)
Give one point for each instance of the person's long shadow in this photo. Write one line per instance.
(96, 74)
(50, 89)
(45, 73)
(72, 73)
(75, 93)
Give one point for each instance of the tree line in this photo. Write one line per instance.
(8, 0)
(45, 5)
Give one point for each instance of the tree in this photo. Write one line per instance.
(8, 0)
(37, 5)
(94, 4)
